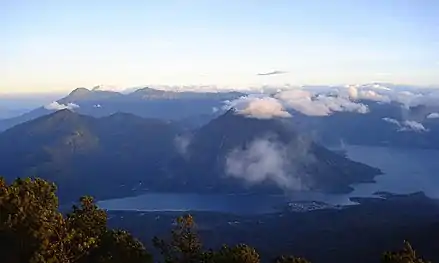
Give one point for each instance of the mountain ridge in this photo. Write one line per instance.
(144, 102)
(80, 152)
(211, 148)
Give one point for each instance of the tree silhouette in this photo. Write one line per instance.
(184, 245)
(32, 230)
(406, 255)
(290, 259)
(237, 254)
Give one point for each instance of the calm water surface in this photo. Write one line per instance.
(405, 171)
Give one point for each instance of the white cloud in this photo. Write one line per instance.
(385, 93)
(258, 106)
(374, 96)
(264, 161)
(433, 115)
(407, 125)
(318, 105)
(426, 98)
(181, 143)
(108, 88)
(393, 121)
(356, 93)
(407, 96)
(59, 106)
(353, 92)
(413, 126)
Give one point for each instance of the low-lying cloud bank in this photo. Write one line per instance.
(406, 95)
(407, 125)
(325, 100)
(311, 104)
(266, 160)
(433, 115)
(59, 106)
(283, 101)
(181, 144)
(258, 106)
(265, 106)
(367, 94)
(409, 96)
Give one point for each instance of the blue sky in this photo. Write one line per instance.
(59, 45)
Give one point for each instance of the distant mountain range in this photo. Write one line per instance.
(122, 154)
(144, 102)
(6, 113)
(386, 124)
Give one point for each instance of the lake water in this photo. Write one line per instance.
(237, 204)
(405, 171)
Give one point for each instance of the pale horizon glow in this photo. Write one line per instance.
(56, 46)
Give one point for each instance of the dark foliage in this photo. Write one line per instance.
(184, 245)
(290, 259)
(406, 255)
(33, 230)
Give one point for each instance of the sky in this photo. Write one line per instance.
(52, 46)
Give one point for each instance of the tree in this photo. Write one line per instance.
(406, 255)
(290, 259)
(117, 246)
(184, 245)
(33, 230)
(237, 254)
(86, 224)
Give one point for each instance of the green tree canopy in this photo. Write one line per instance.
(406, 255)
(290, 259)
(32, 230)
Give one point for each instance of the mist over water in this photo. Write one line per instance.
(405, 171)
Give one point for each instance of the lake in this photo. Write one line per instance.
(405, 171)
